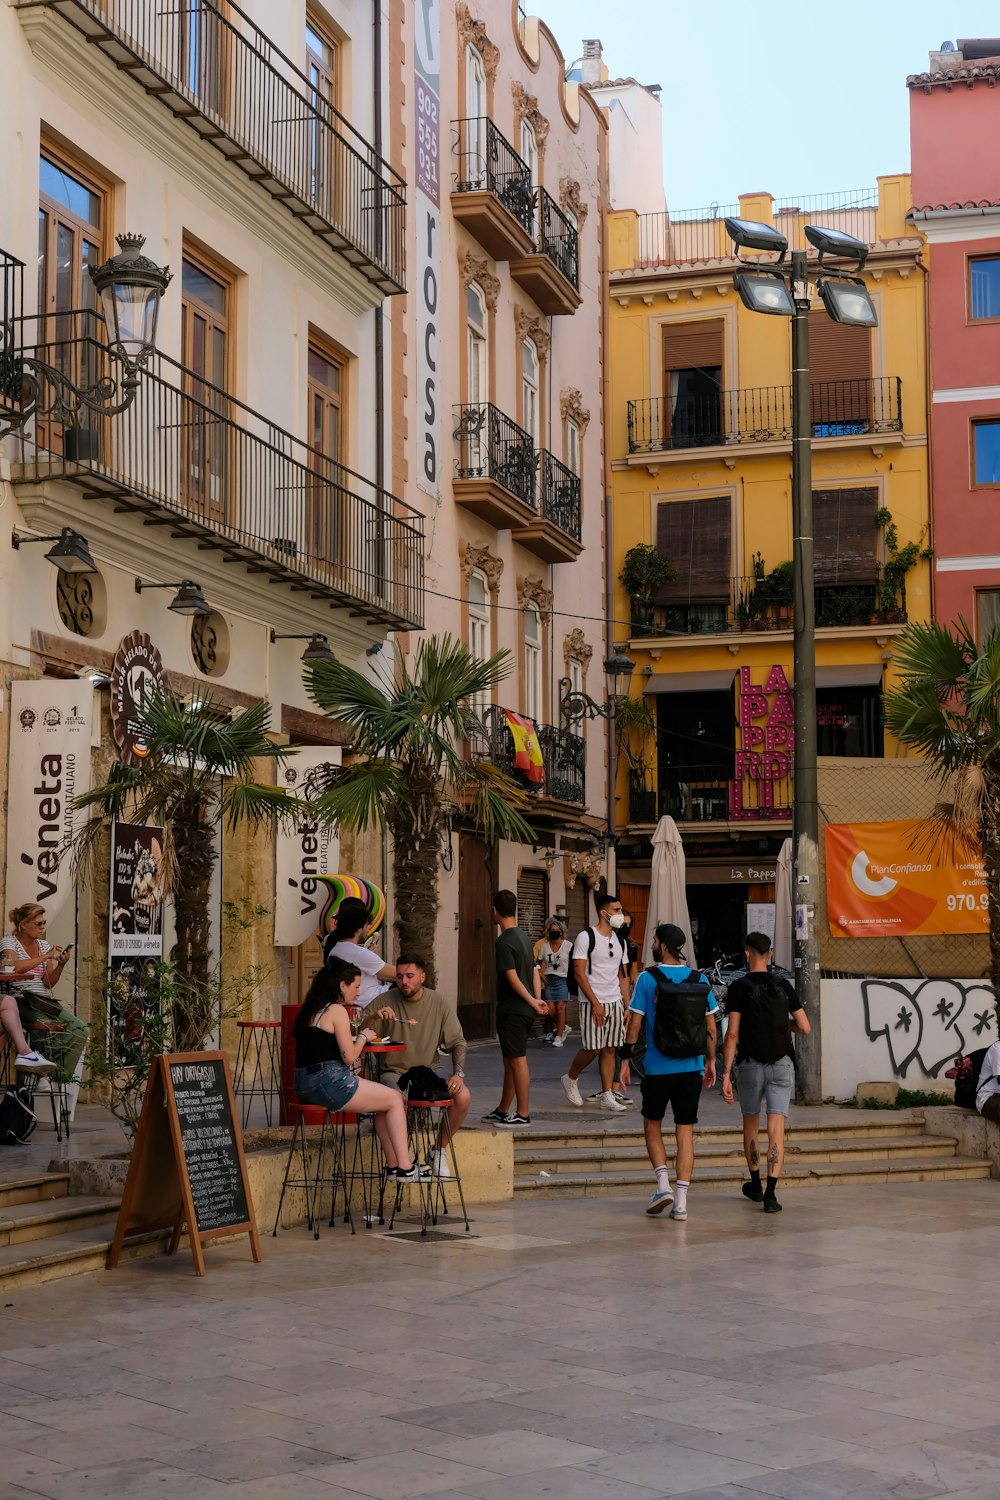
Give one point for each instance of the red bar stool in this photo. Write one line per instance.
(312, 1183)
(38, 1034)
(424, 1118)
(258, 1045)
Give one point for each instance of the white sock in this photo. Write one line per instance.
(662, 1179)
(680, 1193)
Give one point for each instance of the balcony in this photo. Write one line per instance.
(757, 415)
(757, 605)
(713, 794)
(497, 474)
(563, 752)
(693, 235)
(213, 68)
(555, 533)
(189, 456)
(551, 274)
(493, 196)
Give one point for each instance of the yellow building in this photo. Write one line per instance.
(700, 441)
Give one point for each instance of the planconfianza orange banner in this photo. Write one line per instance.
(890, 880)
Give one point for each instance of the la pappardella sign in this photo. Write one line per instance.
(137, 670)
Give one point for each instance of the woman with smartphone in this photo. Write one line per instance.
(33, 967)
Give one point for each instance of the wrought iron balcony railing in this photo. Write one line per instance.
(214, 68)
(491, 446)
(560, 495)
(763, 414)
(11, 314)
(564, 754)
(486, 162)
(765, 604)
(714, 793)
(558, 239)
(192, 456)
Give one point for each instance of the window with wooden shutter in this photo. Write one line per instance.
(840, 363)
(695, 536)
(691, 405)
(532, 902)
(846, 536)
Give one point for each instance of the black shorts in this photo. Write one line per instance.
(512, 1032)
(682, 1091)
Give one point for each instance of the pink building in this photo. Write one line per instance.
(956, 203)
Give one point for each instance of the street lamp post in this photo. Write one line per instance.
(767, 287)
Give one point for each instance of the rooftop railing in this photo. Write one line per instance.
(689, 235)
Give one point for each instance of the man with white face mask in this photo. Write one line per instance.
(599, 964)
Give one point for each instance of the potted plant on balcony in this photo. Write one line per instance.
(80, 444)
(644, 572)
(899, 561)
(635, 733)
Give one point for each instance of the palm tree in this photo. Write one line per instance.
(947, 706)
(409, 759)
(198, 773)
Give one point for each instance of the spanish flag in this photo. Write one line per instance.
(527, 750)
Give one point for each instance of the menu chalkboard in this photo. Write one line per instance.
(187, 1165)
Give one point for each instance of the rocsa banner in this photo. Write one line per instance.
(891, 880)
(49, 768)
(302, 852)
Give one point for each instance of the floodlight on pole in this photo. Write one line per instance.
(846, 300)
(748, 234)
(835, 242)
(764, 292)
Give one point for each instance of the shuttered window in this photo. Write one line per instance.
(694, 346)
(840, 361)
(696, 538)
(846, 537)
(532, 895)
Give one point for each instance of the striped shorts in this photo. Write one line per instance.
(611, 1034)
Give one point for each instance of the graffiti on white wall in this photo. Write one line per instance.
(927, 1023)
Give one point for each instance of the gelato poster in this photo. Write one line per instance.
(136, 891)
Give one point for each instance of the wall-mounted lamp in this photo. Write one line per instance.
(318, 648)
(188, 600)
(574, 706)
(70, 552)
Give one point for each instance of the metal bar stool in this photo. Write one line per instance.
(37, 1034)
(424, 1117)
(305, 1114)
(333, 1138)
(258, 1042)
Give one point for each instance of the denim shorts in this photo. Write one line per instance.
(555, 990)
(773, 1082)
(329, 1084)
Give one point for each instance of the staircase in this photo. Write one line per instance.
(557, 1163)
(45, 1234)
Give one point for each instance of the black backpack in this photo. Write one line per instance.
(772, 1020)
(17, 1118)
(966, 1075)
(680, 1020)
(571, 983)
(423, 1085)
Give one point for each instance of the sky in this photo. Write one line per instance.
(761, 98)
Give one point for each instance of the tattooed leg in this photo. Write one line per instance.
(775, 1144)
(751, 1129)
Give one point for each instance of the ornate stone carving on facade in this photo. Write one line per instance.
(473, 33)
(526, 108)
(533, 591)
(571, 199)
(572, 408)
(532, 328)
(577, 648)
(477, 556)
(476, 268)
(586, 865)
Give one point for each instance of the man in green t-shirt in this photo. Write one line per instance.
(519, 1000)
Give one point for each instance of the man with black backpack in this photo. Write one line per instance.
(763, 1012)
(677, 1004)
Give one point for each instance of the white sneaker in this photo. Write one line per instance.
(438, 1163)
(608, 1101)
(33, 1062)
(549, 1039)
(572, 1090)
(558, 1041)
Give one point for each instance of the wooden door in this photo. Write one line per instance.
(635, 900)
(476, 937)
(326, 537)
(205, 303)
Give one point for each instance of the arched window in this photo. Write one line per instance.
(532, 662)
(572, 445)
(473, 167)
(477, 346)
(480, 644)
(530, 417)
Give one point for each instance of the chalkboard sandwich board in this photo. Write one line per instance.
(187, 1167)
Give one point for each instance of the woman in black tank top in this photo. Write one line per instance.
(325, 1048)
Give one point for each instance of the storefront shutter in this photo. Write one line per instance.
(846, 537)
(696, 538)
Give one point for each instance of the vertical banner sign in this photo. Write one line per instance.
(49, 768)
(427, 197)
(302, 853)
(135, 940)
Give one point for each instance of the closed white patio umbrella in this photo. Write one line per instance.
(783, 908)
(667, 889)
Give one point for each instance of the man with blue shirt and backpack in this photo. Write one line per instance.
(678, 1007)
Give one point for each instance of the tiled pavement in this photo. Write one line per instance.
(843, 1350)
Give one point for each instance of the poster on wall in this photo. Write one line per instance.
(50, 734)
(137, 670)
(303, 852)
(897, 880)
(135, 938)
(760, 918)
(427, 217)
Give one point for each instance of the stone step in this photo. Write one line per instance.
(32, 1221)
(605, 1158)
(45, 1186)
(71, 1254)
(594, 1127)
(726, 1179)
